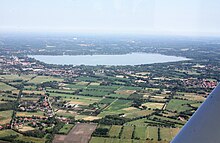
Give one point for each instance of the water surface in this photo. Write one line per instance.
(126, 59)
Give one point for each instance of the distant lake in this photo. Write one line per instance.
(93, 60)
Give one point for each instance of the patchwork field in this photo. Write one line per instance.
(140, 115)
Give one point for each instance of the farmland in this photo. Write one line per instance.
(44, 103)
(144, 114)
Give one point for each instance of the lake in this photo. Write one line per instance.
(93, 60)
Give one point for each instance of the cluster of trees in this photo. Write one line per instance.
(101, 132)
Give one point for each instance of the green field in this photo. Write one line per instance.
(106, 101)
(165, 119)
(152, 133)
(127, 132)
(116, 107)
(51, 90)
(142, 122)
(179, 105)
(10, 78)
(140, 132)
(167, 134)
(75, 86)
(136, 114)
(130, 88)
(119, 104)
(5, 116)
(115, 140)
(5, 87)
(65, 129)
(100, 93)
(115, 131)
(118, 95)
(30, 114)
(8, 132)
(42, 79)
(77, 99)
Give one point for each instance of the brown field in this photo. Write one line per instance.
(91, 118)
(129, 109)
(153, 105)
(80, 133)
(25, 128)
(78, 102)
(33, 92)
(94, 83)
(126, 92)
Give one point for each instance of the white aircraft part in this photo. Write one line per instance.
(204, 125)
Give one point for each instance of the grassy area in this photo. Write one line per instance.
(137, 114)
(106, 100)
(13, 77)
(87, 79)
(5, 117)
(99, 92)
(65, 113)
(142, 122)
(140, 132)
(115, 140)
(152, 133)
(75, 86)
(115, 131)
(33, 92)
(118, 95)
(61, 90)
(179, 105)
(42, 79)
(26, 128)
(153, 105)
(127, 132)
(165, 119)
(119, 104)
(130, 88)
(5, 87)
(30, 114)
(77, 99)
(65, 129)
(167, 134)
(8, 132)
(116, 107)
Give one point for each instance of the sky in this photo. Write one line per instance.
(187, 17)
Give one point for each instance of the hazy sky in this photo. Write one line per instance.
(112, 16)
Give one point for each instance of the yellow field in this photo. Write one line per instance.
(153, 105)
(91, 118)
(26, 128)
